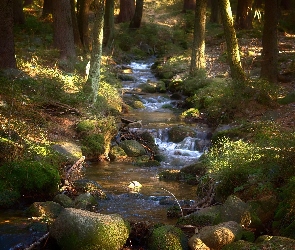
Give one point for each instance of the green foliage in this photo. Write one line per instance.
(284, 220)
(167, 238)
(27, 178)
(93, 145)
(191, 113)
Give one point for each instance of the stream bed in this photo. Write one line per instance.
(151, 201)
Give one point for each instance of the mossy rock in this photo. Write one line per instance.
(178, 133)
(169, 175)
(132, 148)
(289, 98)
(63, 200)
(27, 179)
(117, 154)
(77, 229)
(93, 146)
(47, 209)
(167, 238)
(91, 187)
(85, 201)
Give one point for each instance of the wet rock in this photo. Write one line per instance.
(178, 133)
(85, 201)
(89, 186)
(196, 243)
(167, 237)
(47, 209)
(132, 148)
(77, 229)
(117, 154)
(218, 236)
(63, 200)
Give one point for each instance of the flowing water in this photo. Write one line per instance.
(155, 196)
(150, 203)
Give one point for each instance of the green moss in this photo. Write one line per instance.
(27, 178)
(167, 238)
(93, 145)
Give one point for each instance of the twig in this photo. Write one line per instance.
(38, 242)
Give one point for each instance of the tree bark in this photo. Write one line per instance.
(244, 15)
(136, 20)
(96, 53)
(47, 8)
(109, 24)
(215, 13)
(269, 65)
(198, 50)
(7, 53)
(189, 5)
(233, 53)
(63, 35)
(77, 39)
(83, 22)
(18, 13)
(127, 10)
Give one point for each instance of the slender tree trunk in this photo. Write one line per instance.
(7, 53)
(198, 51)
(47, 8)
(215, 13)
(83, 22)
(233, 53)
(136, 20)
(63, 35)
(77, 39)
(96, 53)
(269, 65)
(244, 15)
(189, 5)
(109, 24)
(127, 10)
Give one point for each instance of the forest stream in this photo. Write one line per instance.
(151, 201)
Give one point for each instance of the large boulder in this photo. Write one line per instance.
(167, 238)
(77, 229)
(132, 148)
(234, 209)
(218, 236)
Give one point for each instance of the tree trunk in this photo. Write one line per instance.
(77, 39)
(96, 53)
(7, 53)
(189, 5)
(198, 50)
(47, 8)
(127, 10)
(27, 2)
(63, 35)
(233, 53)
(244, 15)
(18, 14)
(136, 20)
(215, 13)
(83, 22)
(269, 65)
(109, 25)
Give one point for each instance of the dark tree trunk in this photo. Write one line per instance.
(83, 22)
(63, 35)
(127, 10)
(269, 65)
(198, 51)
(244, 15)
(189, 5)
(215, 13)
(136, 20)
(47, 8)
(27, 2)
(7, 53)
(109, 23)
(77, 38)
(18, 14)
